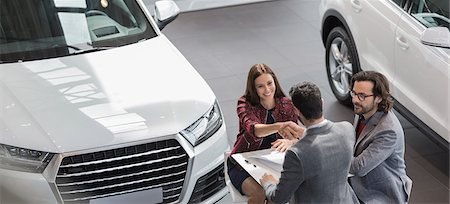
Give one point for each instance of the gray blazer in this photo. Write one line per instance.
(315, 169)
(379, 165)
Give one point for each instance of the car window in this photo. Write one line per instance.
(31, 30)
(399, 2)
(431, 13)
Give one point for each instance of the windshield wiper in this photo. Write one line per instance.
(93, 49)
(10, 61)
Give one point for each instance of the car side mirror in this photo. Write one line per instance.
(165, 12)
(436, 37)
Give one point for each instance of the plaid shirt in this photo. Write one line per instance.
(250, 115)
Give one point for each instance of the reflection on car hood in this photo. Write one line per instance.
(102, 98)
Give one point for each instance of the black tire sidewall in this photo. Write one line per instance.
(339, 32)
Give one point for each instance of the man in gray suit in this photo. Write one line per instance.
(315, 169)
(378, 166)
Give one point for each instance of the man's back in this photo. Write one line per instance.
(320, 161)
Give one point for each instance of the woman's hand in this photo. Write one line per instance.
(282, 145)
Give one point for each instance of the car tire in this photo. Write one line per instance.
(341, 62)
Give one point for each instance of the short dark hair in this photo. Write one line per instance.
(255, 71)
(380, 88)
(307, 99)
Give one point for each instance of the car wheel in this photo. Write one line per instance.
(342, 63)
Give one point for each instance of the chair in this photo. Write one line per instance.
(235, 194)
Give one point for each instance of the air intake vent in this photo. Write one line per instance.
(208, 185)
(124, 170)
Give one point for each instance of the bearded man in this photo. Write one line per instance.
(378, 165)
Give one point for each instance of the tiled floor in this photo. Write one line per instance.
(222, 44)
(194, 5)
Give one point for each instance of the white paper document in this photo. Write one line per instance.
(256, 163)
(271, 159)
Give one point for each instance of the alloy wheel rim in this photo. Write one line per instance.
(340, 66)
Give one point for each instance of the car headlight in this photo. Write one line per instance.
(21, 159)
(204, 127)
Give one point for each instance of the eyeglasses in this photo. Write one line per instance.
(361, 96)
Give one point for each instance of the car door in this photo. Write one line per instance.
(373, 27)
(422, 79)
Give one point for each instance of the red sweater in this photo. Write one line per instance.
(250, 115)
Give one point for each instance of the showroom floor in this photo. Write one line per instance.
(222, 44)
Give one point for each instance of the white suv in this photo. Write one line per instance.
(406, 40)
(98, 106)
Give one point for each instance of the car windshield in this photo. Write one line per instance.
(41, 29)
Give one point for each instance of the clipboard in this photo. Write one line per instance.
(256, 163)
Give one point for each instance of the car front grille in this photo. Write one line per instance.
(100, 174)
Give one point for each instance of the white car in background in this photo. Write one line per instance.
(98, 106)
(406, 40)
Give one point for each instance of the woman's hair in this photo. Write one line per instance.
(255, 71)
(380, 88)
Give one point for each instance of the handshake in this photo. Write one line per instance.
(291, 133)
(290, 130)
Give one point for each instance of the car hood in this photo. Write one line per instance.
(136, 92)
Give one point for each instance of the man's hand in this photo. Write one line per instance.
(282, 145)
(290, 130)
(266, 178)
